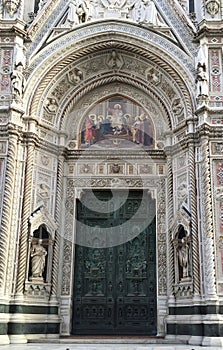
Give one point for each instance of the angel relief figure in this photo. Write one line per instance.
(115, 60)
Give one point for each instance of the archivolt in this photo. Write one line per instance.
(66, 108)
(46, 73)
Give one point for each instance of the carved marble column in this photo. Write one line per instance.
(194, 224)
(26, 211)
(68, 255)
(7, 207)
(56, 249)
(207, 232)
(170, 218)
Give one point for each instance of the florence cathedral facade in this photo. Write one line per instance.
(111, 169)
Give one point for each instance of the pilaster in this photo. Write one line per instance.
(194, 225)
(7, 206)
(207, 231)
(170, 219)
(57, 243)
(26, 211)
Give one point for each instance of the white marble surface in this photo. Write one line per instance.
(50, 346)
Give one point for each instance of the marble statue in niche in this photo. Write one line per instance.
(39, 255)
(38, 259)
(117, 123)
(18, 81)
(183, 254)
(202, 80)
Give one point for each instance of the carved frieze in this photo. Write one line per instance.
(66, 270)
(161, 238)
(207, 221)
(37, 290)
(6, 59)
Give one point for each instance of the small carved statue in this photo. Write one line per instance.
(51, 105)
(137, 9)
(149, 13)
(41, 4)
(144, 11)
(18, 81)
(202, 80)
(11, 6)
(72, 17)
(75, 76)
(38, 259)
(183, 256)
(154, 76)
(85, 10)
(115, 60)
(177, 106)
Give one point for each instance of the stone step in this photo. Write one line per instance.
(108, 340)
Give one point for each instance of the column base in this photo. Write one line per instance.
(18, 339)
(212, 341)
(195, 340)
(4, 339)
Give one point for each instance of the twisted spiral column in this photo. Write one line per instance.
(170, 218)
(7, 207)
(207, 224)
(56, 250)
(194, 224)
(25, 215)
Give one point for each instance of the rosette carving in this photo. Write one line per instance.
(212, 7)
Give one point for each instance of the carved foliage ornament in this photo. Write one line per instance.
(212, 7)
(11, 6)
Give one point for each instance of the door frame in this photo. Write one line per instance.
(156, 186)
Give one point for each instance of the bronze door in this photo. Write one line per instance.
(115, 285)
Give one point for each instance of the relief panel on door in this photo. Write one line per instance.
(115, 287)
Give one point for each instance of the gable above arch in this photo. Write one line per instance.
(163, 16)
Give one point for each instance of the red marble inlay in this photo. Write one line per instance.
(219, 174)
(221, 217)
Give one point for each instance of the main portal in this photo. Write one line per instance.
(115, 279)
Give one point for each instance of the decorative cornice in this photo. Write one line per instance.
(121, 154)
(209, 28)
(9, 27)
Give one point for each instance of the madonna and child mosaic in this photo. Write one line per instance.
(117, 123)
